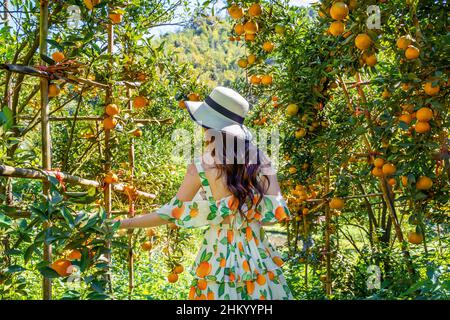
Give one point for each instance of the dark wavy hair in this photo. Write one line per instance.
(242, 179)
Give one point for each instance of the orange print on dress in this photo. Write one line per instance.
(202, 284)
(192, 293)
(233, 203)
(193, 213)
(223, 262)
(241, 247)
(203, 269)
(271, 275)
(230, 235)
(177, 212)
(210, 296)
(261, 280)
(248, 234)
(245, 266)
(278, 261)
(250, 287)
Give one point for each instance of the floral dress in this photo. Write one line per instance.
(236, 260)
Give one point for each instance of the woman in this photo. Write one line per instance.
(240, 193)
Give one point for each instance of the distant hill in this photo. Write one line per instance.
(206, 45)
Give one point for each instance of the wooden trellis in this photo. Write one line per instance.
(45, 121)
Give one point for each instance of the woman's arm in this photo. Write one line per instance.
(187, 191)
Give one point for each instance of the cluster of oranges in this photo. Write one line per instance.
(173, 275)
(112, 111)
(63, 266)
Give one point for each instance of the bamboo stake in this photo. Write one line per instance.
(45, 132)
(327, 233)
(98, 119)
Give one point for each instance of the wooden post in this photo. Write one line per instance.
(45, 131)
(107, 167)
(131, 208)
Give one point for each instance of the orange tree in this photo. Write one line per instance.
(363, 110)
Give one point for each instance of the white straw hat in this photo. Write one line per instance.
(223, 110)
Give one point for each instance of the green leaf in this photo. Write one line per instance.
(15, 268)
(5, 221)
(48, 272)
(268, 203)
(6, 118)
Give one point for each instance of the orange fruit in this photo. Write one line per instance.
(53, 90)
(109, 123)
(201, 297)
(336, 28)
(422, 127)
(337, 203)
(280, 214)
(137, 133)
(392, 181)
(430, 89)
(150, 232)
(111, 178)
(403, 42)
(242, 63)
(424, 183)
(251, 27)
(412, 53)
(210, 295)
(377, 172)
(251, 59)
(378, 162)
(230, 236)
(235, 11)
(278, 261)
(232, 277)
(191, 293)
(268, 46)
(240, 246)
(415, 237)
(371, 60)
(363, 41)
(266, 79)
(177, 212)
(248, 233)
(112, 109)
(255, 79)
(292, 109)
(61, 266)
(115, 18)
(292, 170)
(202, 284)
(146, 246)
(178, 269)
(424, 114)
(140, 102)
(261, 280)
(255, 10)
(193, 97)
(300, 133)
(181, 104)
(406, 118)
(249, 37)
(223, 262)
(173, 277)
(239, 29)
(58, 56)
(233, 203)
(388, 169)
(245, 266)
(339, 11)
(203, 269)
(90, 4)
(386, 94)
(250, 285)
(193, 213)
(74, 255)
(404, 181)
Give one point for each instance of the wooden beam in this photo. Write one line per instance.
(99, 118)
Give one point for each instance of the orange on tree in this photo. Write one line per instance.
(431, 89)
(251, 27)
(242, 63)
(249, 37)
(255, 79)
(338, 10)
(109, 123)
(268, 46)
(111, 177)
(146, 246)
(377, 172)
(150, 232)
(300, 133)
(181, 104)
(412, 52)
(137, 132)
(53, 90)
(363, 41)
(112, 109)
(370, 60)
(406, 118)
(172, 277)
(255, 10)
(115, 17)
(90, 4)
(415, 237)
(336, 28)
(74, 255)
(403, 42)
(424, 114)
(337, 203)
(388, 169)
(378, 162)
(193, 96)
(292, 170)
(386, 94)
(292, 109)
(235, 11)
(251, 59)
(61, 266)
(392, 181)
(422, 127)
(239, 29)
(424, 183)
(178, 269)
(140, 102)
(266, 79)
(58, 56)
